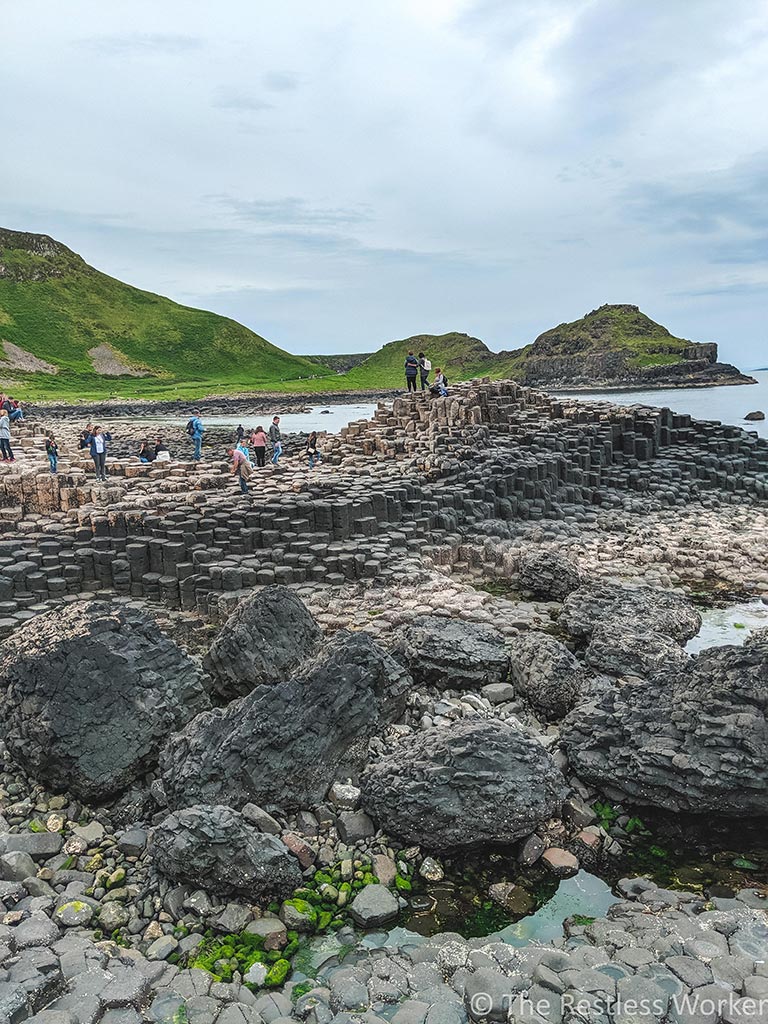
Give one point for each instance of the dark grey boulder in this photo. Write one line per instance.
(215, 848)
(545, 672)
(478, 781)
(264, 639)
(282, 746)
(549, 575)
(451, 654)
(694, 738)
(89, 695)
(617, 651)
(632, 608)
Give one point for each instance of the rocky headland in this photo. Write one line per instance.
(246, 738)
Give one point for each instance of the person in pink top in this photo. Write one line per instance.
(259, 445)
(241, 467)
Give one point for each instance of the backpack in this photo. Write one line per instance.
(445, 381)
(427, 365)
(191, 427)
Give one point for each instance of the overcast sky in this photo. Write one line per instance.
(339, 174)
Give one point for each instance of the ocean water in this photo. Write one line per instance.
(728, 404)
(331, 421)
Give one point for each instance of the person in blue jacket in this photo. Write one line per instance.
(97, 442)
(195, 430)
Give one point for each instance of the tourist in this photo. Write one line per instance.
(424, 367)
(5, 437)
(161, 451)
(241, 467)
(440, 384)
(239, 432)
(52, 451)
(312, 453)
(84, 435)
(259, 445)
(146, 453)
(97, 442)
(195, 429)
(15, 412)
(411, 370)
(276, 438)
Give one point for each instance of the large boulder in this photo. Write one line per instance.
(283, 745)
(693, 738)
(617, 651)
(451, 654)
(264, 639)
(479, 781)
(546, 673)
(216, 849)
(90, 694)
(632, 608)
(548, 574)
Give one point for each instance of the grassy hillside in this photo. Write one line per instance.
(57, 309)
(68, 331)
(460, 356)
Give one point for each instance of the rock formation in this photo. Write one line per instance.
(215, 848)
(452, 654)
(689, 738)
(649, 608)
(269, 634)
(283, 745)
(546, 673)
(90, 693)
(478, 781)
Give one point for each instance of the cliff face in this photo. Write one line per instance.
(619, 346)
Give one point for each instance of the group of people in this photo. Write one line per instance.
(240, 454)
(420, 367)
(10, 412)
(157, 452)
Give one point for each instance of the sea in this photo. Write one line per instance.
(727, 404)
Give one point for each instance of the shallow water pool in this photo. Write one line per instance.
(731, 625)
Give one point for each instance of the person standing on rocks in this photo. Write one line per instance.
(195, 429)
(411, 370)
(5, 437)
(276, 438)
(97, 442)
(241, 468)
(259, 445)
(52, 451)
(312, 453)
(239, 432)
(424, 367)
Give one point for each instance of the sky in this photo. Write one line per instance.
(342, 174)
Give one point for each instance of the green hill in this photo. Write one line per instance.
(460, 356)
(612, 343)
(68, 330)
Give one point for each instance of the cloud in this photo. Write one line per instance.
(240, 103)
(280, 81)
(735, 198)
(292, 211)
(144, 43)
